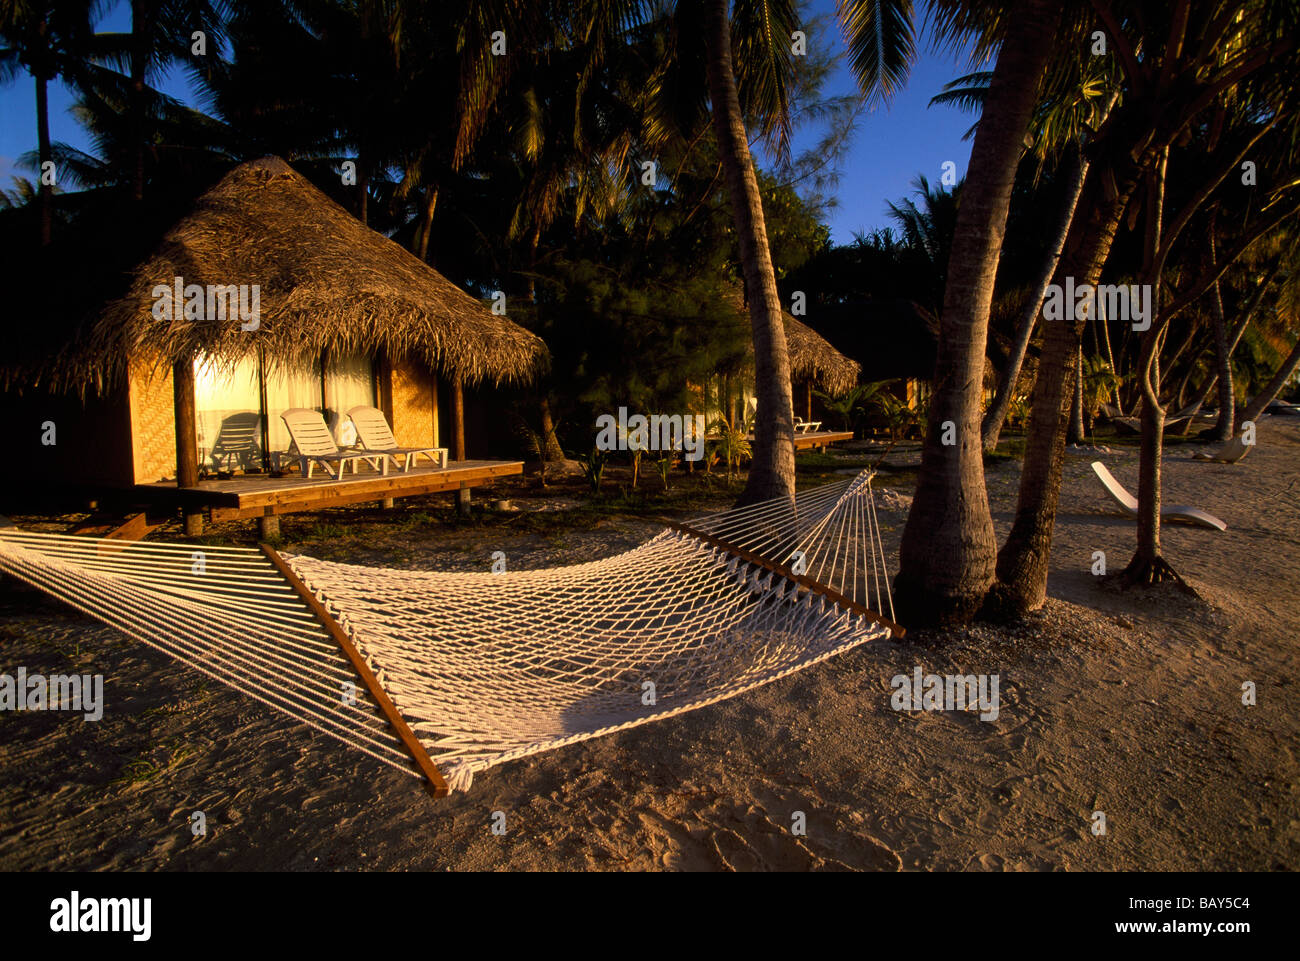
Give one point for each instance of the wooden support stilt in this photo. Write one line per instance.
(802, 580)
(458, 437)
(187, 453)
(437, 785)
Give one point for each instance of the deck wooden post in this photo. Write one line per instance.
(458, 436)
(268, 527)
(187, 451)
(809, 385)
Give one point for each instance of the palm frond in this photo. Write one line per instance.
(881, 39)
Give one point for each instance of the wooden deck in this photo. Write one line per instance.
(808, 441)
(820, 438)
(262, 496)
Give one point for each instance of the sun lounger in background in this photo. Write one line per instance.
(1130, 503)
(802, 426)
(375, 435)
(316, 445)
(1231, 452)
(1133, 425)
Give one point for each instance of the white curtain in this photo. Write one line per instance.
(288, 387)
(349, 382)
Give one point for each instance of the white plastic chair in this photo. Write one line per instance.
(316, 445)
(1130, 503)
(1231, 452)
(376, 435)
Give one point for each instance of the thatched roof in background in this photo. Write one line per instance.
(811, 355)
(813, 358)
(327, 283)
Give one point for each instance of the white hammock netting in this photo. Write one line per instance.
(486, 668)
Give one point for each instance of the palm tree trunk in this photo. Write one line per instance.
(1076, 435)
(946, 562)
(426, 223)
(1147, 565)
(458, 436)
(1274, 387)
(1023, 560)
(771, 472)
(44, 192)
(363, 185)
(1223, 367)
(137, 123)
(551, 449)
(1103, 330)
(534, 242)
(1231, 341)
(997, 412)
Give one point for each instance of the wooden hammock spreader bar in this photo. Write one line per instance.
(437, 786)
(815, 587)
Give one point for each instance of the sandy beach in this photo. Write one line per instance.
(1122, 702)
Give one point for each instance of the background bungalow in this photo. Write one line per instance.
(814, 365)
(347, 317)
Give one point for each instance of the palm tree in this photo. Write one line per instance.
(1168, 86)
(1081, 94)
(161, 32)
(48, 39)
(948, 550)
(771, 473)
(928, 230)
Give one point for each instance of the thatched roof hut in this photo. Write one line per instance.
(171, 373)
(326, 283)
(812, 358)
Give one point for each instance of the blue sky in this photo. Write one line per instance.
(892, 145)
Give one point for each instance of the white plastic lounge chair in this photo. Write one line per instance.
(316, 445)
(802, 426)
(1231, 452)
(1130, 503)
(375, 435)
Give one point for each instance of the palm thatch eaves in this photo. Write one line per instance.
(327, 284)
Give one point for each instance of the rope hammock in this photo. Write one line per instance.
(461, 672)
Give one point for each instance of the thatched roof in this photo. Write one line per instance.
(813, 358)
(811, 355)
(327, 282)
